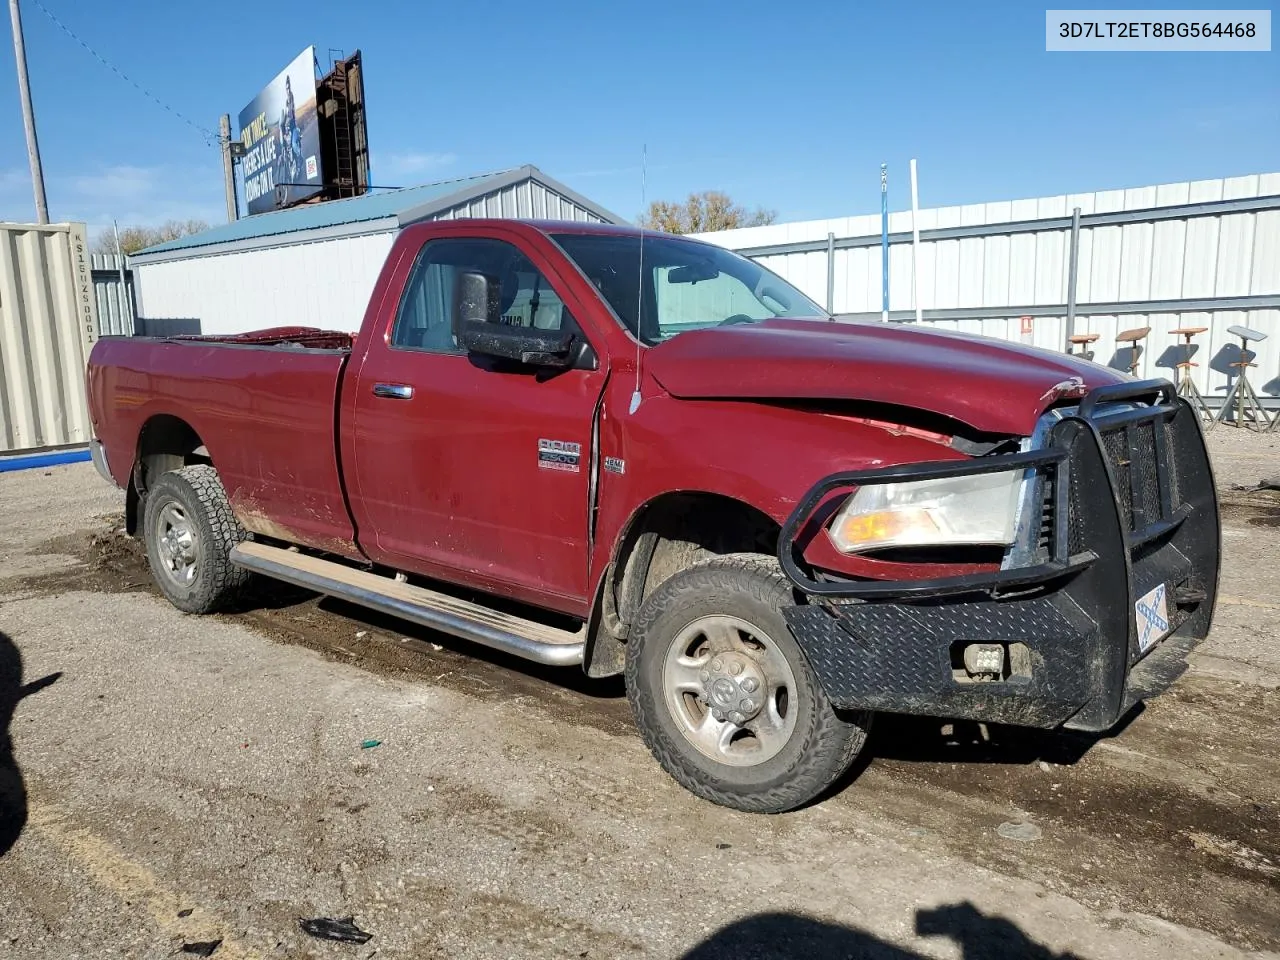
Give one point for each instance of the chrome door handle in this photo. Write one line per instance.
(393, 391)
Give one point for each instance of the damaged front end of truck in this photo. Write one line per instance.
(1106, 581)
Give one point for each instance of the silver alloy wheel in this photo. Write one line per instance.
(730, 690)
(176, 544)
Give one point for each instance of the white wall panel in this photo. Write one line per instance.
(1022, 269)
(325, 284)
(1266, 250)
(1168, 248)
(1193, 257)
(1235, 255)
(1108, 244)
(1200, 263)
(995, 273)
(1135, 261)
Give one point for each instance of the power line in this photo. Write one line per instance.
(210, 138)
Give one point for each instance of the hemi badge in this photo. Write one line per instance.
(615, 465)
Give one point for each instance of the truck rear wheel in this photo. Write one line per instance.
(724, 696)
(189, 531)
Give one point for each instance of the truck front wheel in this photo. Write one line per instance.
(725, 698)
(190, 530)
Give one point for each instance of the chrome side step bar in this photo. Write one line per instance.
(439, 611)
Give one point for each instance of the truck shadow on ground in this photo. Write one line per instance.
(789, 936)
(13, 793)
(937, 740)
(911, 739)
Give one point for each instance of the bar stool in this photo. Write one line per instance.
(1186, 384)
(1082, 340)
(1248, 408)
(1132, 337)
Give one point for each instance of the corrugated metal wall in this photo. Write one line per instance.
(528, 199)
(324, 283)
(114, 299)
(978, 283)
(48, 323)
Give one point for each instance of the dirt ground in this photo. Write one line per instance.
(178, 780)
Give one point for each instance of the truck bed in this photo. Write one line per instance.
(262, 403)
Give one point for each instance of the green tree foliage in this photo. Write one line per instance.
(703, 213)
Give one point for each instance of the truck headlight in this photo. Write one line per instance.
(977, 509)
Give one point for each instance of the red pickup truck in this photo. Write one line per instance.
(642, 454)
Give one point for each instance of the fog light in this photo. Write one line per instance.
(984, 658)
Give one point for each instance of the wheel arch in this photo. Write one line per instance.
(165, 442)
(664, 535)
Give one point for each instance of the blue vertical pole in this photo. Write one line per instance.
(884, 242)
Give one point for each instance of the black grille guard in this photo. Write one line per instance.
(1050, 458)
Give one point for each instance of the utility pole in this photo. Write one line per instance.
(228, 166)
(28, 114)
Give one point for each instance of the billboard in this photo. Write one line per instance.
(281, 138)
(344, 140)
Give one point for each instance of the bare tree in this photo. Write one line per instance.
(703, 213)
(133, 239)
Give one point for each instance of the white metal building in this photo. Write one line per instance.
(315, 265)
(1203, 254)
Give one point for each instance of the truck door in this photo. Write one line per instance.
(469, 469)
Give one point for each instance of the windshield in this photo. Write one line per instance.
(687, 285)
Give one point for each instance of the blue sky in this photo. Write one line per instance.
(792, 106)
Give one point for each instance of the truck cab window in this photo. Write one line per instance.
(528, 300)
(426, 315)
(687, 305)
(668, 285)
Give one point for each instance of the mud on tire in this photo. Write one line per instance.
(189, 531)
(804, 743)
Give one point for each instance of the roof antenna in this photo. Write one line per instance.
(644, 170)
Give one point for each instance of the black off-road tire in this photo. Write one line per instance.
(824, 742)
(198, 492)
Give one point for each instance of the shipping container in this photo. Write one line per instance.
(48, 324)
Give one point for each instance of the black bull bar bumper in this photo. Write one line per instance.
(1125, 499)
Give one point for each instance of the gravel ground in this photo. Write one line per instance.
(214, 765)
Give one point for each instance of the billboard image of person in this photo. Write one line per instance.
(281, 163)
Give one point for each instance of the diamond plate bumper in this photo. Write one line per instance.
(1072, 621)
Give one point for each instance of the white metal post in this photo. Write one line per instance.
(1073, 271)
(915, 242)
(831, 273)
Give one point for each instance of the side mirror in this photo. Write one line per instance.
(536, 348)
(479, 328)
(475, 299)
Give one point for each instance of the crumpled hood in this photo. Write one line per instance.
(991, 385)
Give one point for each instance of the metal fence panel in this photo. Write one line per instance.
(114, 297)
(1143, 254)
(48, 324)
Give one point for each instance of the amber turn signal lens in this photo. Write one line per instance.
(883, 526)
